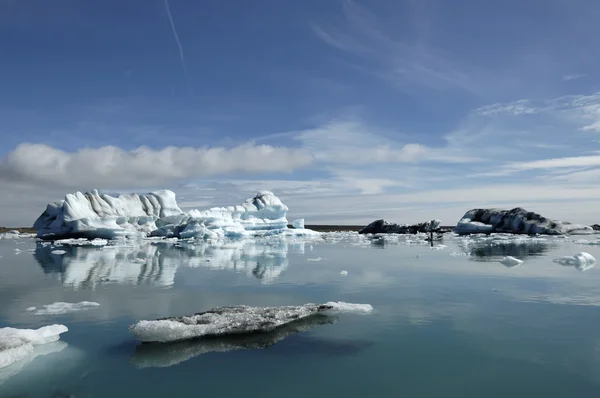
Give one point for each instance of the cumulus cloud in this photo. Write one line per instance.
(112, 167)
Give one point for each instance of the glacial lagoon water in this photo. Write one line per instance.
(449, 321)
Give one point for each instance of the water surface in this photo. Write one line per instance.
(449, 321)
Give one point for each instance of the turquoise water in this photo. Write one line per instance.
(445, 324)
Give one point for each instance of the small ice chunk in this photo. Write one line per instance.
(511, 262)
(344, 273)
(349, 307)
(298, 224)
(314, 259)
(17, 344)
(582, 261)
(63, 308)
(59, 252)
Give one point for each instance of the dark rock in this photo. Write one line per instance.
(383, 227)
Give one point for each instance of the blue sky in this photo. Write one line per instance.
(347, 110)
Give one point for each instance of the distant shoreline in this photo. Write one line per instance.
(319, 228)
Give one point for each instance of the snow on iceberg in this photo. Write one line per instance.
(516, 221)
(94, 215)
(170, 354)
(60, 308)
(18, 344)
(225, 321)
(582, 261)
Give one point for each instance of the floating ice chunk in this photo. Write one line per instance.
(511, 262)
(582, 261)
(344, 273)
(17, 344)
(340, 306)
(298, 224)
(314, 259)
(63, 308)
(222, 321)
(587, 242)
(59, 252)
(169, 354)
(232, 320)
(81, 242)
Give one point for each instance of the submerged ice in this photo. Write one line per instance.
(94, 215)
(233, 320)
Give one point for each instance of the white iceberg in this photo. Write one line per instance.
(582, 261)
(18, 344)
(94, 215)
(240, 319)
(60, 308)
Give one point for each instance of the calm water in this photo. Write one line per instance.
(445, 324)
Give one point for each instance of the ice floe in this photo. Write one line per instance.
(511, 262)
(170, 354)
(94, 215)
(18, 344)
(233, 320)
(582, 261)
(59, 308)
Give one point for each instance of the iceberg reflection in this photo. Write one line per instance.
(169, 354)
(155, 263)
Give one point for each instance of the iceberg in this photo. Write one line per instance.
(384, 227)
(170, 354)
(515, 221)
(233, 320)
(93, 215)
(18, 344)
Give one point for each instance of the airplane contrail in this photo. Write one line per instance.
(176, 36)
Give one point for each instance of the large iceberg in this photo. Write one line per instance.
(241, 319)
(94, 215)
(516, 221)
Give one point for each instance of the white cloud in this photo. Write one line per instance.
(573, 76)
(112, 167)
(577, 161)
(521, 107)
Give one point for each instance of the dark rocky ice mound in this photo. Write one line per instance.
(239, 319)
(384, 227)
(515, 221)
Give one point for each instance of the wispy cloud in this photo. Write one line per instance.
(573, 76)
(394, 59)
